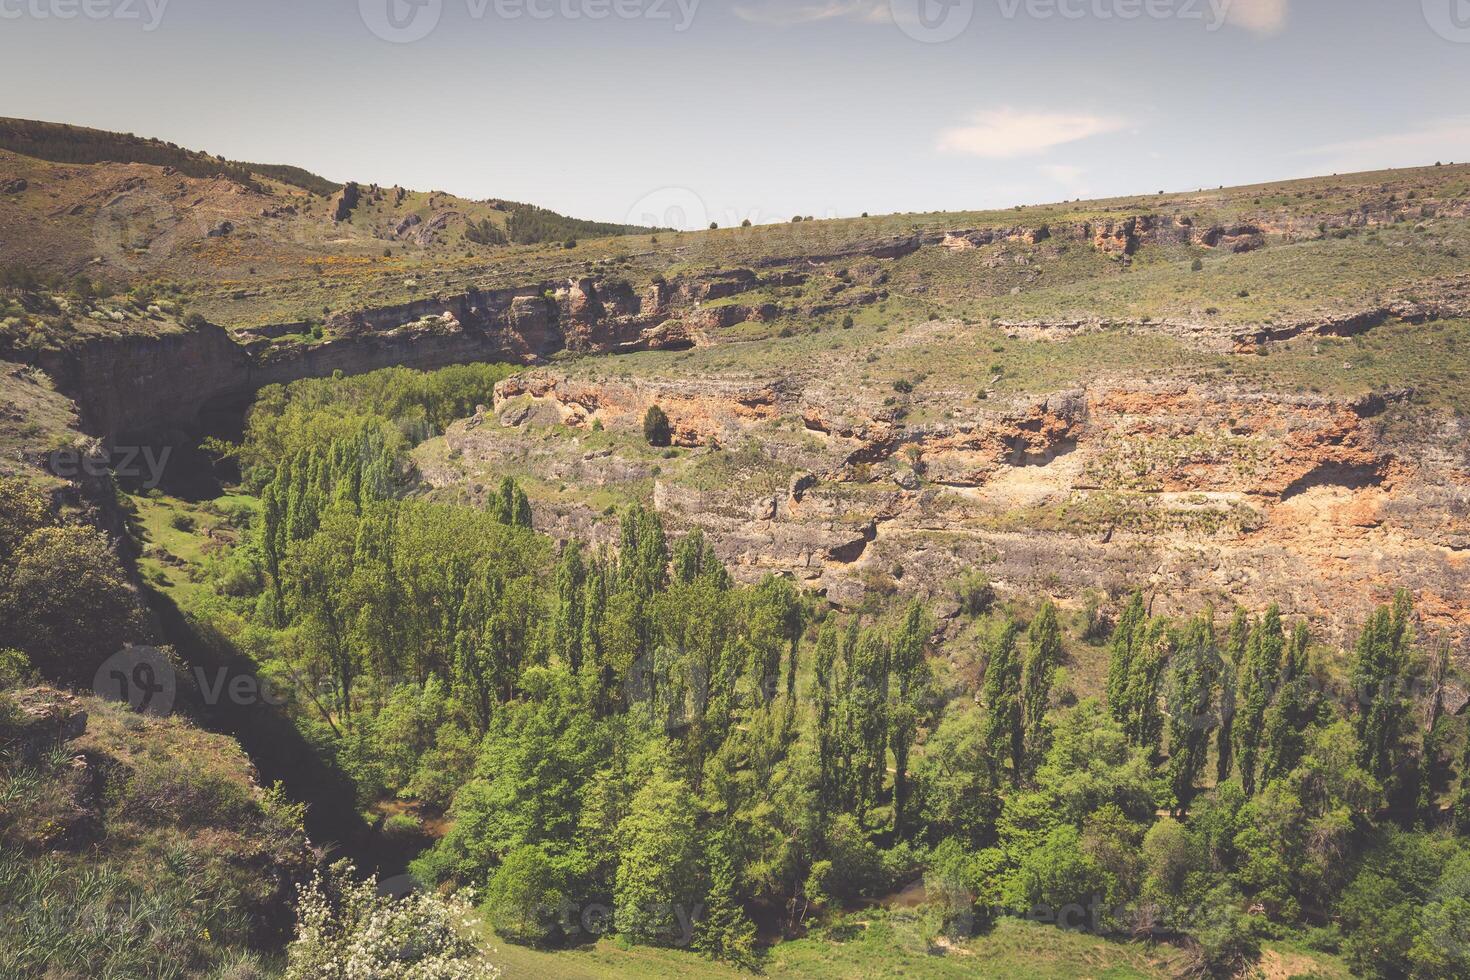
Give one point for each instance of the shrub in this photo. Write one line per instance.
(14, 668)
(656, 428)
(401, 825)
(345, 924)
(523, 897)
(974, 593)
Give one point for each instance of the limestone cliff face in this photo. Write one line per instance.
(1225, 496)
(147, 384)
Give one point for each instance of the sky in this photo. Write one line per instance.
(690, 111)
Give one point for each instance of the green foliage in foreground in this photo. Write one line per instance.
(628, 742)
(345, 930)
(154, 856)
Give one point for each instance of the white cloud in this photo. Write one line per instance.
(1000, 134)
(1063, 173)
(1439, 139)
(784, 14)
(1261, 16)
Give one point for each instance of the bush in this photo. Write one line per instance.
(401, 825)
(523, 897)
(974, 593)
(15, 667)
(342, 922)
(656, 428)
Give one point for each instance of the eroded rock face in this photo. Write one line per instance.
(1323, 506)
(44, 718)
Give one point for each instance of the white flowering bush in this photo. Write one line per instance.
(345, 930)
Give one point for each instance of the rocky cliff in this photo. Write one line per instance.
(1228, 496)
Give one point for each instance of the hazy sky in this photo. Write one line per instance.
(762, 108)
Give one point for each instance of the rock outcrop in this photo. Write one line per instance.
(1234, 496)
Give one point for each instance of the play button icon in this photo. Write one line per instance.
(1450, 19)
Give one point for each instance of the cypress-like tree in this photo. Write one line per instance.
(1229, 674)
(908, 687)
(1043, 654)
(724, 932)
(1143, 721)
(1120, 664)
(1380, 665)
(1258, 678)
(1462, 796)
(571, 580)
(867, 698)
(1283, 740)
(1005, 734)
(825, 688)
(1435, 773)
(1194, 671)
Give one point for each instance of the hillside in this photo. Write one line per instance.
(116, 208)
(1078, 397)
(653, 570)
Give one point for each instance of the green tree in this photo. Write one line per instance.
(1381, 660)
(725, 932)
(1283, 739)
(1005, 734)
(1120, 662)
(522, 898)
(957, 781)
(656, 428)
(65, 602)
(1194, 671)
(1258, 677)
(908, 690)
(1230, 672)
(1043, 654)
(659, 878)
